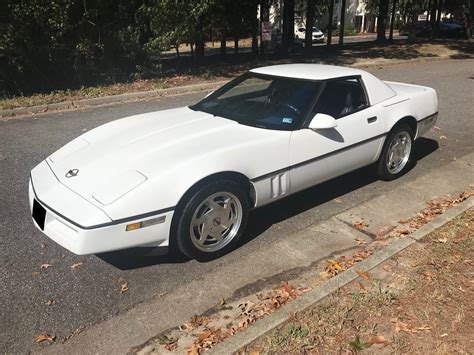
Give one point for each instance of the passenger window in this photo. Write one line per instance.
(341, 98)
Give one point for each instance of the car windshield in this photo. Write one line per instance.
(262, 101)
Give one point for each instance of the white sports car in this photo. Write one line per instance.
(187, 177)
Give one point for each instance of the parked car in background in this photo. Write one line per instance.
(188, 177)
(445, 29)
(317, 34)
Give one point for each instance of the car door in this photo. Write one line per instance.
(318, 155)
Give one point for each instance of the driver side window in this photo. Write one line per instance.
(341, 98)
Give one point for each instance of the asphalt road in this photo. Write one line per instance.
(90, 294)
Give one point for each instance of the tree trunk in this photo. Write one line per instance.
(199, 49)
(264, 17)
(434, 6)
(343, 19)
(223, 44)
(255, 30)
(288, 25)
(236, 46)
(310, 13)
(291, 22)
(331, 15)
(392, 19)
(428, 10)
(382, 20)
(438, 17)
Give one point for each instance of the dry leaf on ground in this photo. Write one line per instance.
(360, 224)
(50, 302)
(45, 266)
(378, 339)
(76, 266)
(363, 274)
(44, 337)
(123, 287)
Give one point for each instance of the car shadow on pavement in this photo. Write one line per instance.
(263, 218)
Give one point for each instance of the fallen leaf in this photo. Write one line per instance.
(45, 266)
(76, 266)
(436, 128)
(193, 350)
(423, 328)
(42, 245)
(222, 302)
(361, 224)
(123, 287)
(360, 241)
(363, 289)
(443, 137)
(171, 346)
(363, 274)
(443, 240)
(337, 200)
(204, 335)
(443, 335)
(44, 337)
(50, 302)
(378, 339)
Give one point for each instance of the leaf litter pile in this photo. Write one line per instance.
(419, 301)
(201, 333)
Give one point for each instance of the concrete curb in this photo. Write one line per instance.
(178, 90)
(276, 319)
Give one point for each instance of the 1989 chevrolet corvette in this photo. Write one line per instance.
(189, 176)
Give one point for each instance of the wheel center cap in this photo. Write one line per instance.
(216, 221)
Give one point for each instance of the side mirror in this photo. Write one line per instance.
(322, 121)
(209, 94)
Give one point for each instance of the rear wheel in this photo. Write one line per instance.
(396, 156)
(213, 220)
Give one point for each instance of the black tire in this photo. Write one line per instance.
(383, 171)
(184, 238)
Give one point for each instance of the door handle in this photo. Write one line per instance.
(372, 119)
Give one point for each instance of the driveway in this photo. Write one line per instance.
(90, 293)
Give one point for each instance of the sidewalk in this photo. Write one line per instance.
(282, 271)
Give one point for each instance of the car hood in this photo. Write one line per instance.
(110, 161)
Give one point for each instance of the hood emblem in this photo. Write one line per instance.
(72, 173)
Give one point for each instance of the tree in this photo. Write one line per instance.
(382, 20)
(392, 19)
(288, 25)
(310, 14)
(343, 19)
(330, 22)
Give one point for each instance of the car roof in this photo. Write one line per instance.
(308, 71)
(377, 90)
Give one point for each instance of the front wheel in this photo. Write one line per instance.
(213, 220)
(396, 156)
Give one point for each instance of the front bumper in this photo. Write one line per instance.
(90, 239)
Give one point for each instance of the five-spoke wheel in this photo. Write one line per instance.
(396, 154)
(212, 221)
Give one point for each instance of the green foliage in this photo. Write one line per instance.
(357, 345)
